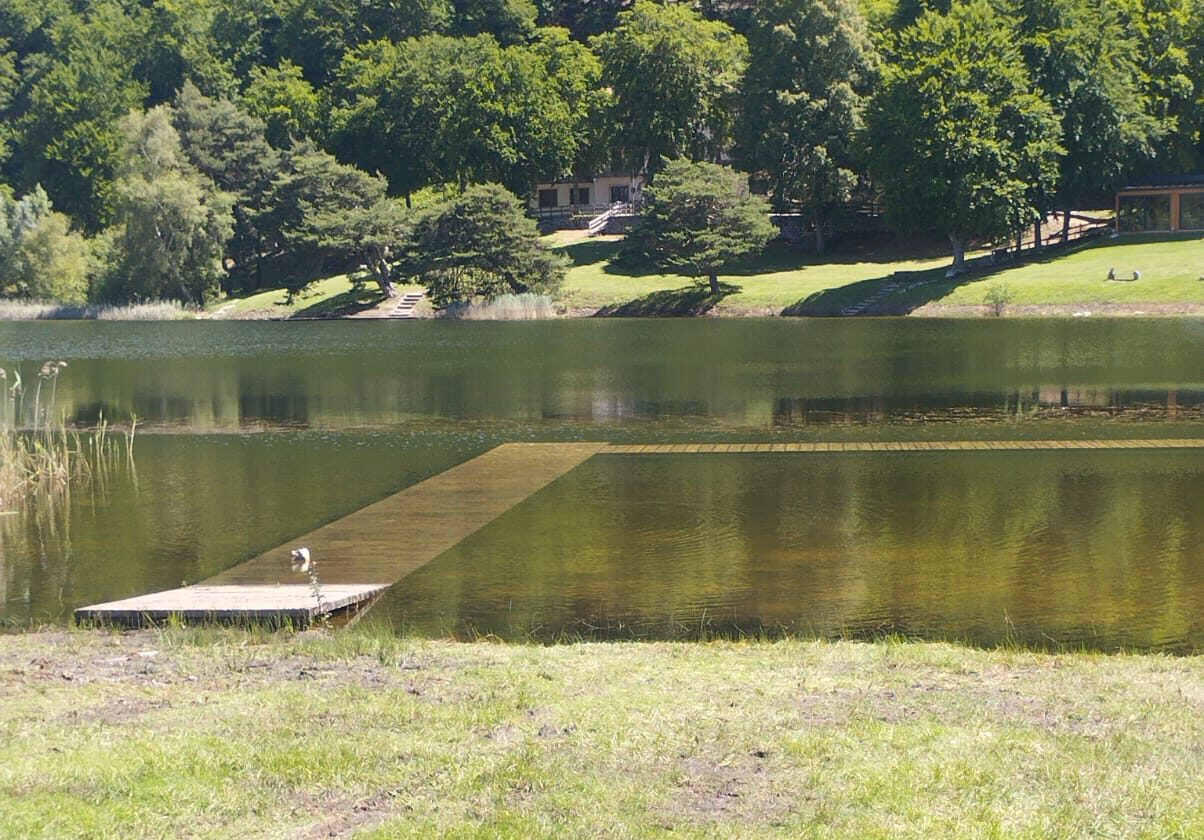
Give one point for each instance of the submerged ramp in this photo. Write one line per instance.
(385, 541)
(362, 554)
(365, 552)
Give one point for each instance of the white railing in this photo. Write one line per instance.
(598, 223)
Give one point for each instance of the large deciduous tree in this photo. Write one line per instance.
(959, 143)
(675, 79)
(316, 33)
(69, 135)
(438, 109)
(288, 105)
(1160, 30)
(479, 244)
(41, 258)
(1087, 67)
(699, 217)
(174, 221)
(811, 68)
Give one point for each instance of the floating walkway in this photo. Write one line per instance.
(359, 556)
(362, 554)
(901, 446)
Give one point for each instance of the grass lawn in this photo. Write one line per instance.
(1171, 272)
(322, 298)
(780, 279)
(787, 281)
(783, 281)
(223, 734)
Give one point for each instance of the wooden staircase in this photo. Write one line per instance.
(405, 305)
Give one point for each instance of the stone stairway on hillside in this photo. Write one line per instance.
(866, 304)
(405, 305)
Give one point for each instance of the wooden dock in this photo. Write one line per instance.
(365, 552)
(292, 604)
(362, 554)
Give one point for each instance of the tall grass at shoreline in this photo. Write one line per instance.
(524, 307)
(11, 310)
(40, 458)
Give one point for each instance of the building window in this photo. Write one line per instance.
(622, 193)
(549, 198)
(1140, 213)
(1191, 211)
(579, 195)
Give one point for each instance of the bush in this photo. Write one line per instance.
(998, 296)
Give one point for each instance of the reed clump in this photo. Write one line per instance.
(524, 307)
(41, 459)
(13, 310)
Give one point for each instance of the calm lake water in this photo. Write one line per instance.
(253, 433)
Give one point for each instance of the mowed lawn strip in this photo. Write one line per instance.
(780, 278)
(221, 733)
(1170, 269)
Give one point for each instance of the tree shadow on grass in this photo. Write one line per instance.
(355, 299)
(590, 251)
(694, 299)
(903, 292)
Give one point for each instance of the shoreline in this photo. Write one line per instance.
(932, 311)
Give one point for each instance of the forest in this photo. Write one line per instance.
(175, 149)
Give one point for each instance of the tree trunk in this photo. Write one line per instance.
(1019, 241)
(1037, 232)
(714, 278)
(819, 235)
(1065, 226)
(959, 252)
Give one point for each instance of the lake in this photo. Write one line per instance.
(253, 433)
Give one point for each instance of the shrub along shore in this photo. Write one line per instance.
(220, 733)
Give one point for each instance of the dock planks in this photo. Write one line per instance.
(292, 604)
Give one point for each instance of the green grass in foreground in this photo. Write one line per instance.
(222, 734)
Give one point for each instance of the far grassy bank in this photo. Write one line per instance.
(220, 733)
(786, 281)
(883, 279)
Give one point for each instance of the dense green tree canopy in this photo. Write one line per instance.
(1087, 67)
(811, 71)
(41, 258)
(959, 143)
(68, 135)
(700, 217)
(675, 79)
(966, 106)
(465, 110)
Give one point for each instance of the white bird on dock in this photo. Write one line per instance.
(300, 558)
